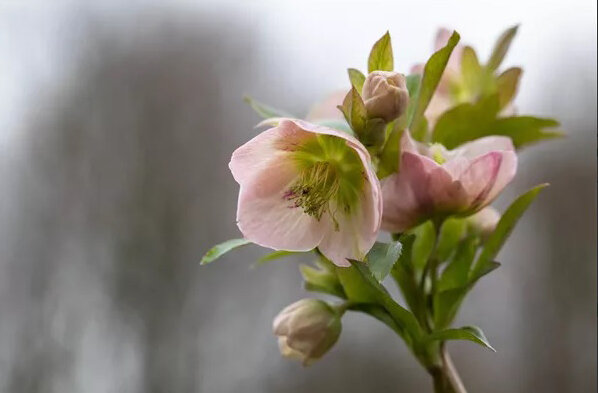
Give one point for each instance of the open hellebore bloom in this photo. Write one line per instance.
(433, 182)
(305, 186)
(385, 95)
(306, 330)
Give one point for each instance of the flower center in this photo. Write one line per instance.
(330, 177)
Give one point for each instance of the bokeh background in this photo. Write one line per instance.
(117, 120)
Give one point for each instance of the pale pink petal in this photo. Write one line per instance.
(506, 173)
(482, 146)
(267, 218)
(355, 234)
(260, 152)
(401, 207)
(421, 188)
(479, 179)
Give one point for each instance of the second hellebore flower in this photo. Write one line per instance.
(305, 186)
(385, 95)
(307, 329)
(433, 182)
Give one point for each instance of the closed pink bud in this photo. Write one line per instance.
(306, 330)
(484, 222)
(385, 95)
(434, 183)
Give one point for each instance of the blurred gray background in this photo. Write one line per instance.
(116, 126)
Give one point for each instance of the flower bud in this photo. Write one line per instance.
(484, 222)
(306, 330)
(385, 95)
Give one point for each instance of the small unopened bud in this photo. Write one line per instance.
(307, 329)
(385, 95)
(484, 222)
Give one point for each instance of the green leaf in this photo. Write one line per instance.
(504, 227)
(382, 257)
(389, 157)
(381, 55)
(274, 256)
(471, 70)
(413, 83)
(466, 122)
(524, 130)
(470, 333)
(379, 313)
(220, 249)
(323, 281)
(432, 73)
(355, 285)
(425, 237)
(456, 273)
(447, 302)
(420, 132)
(357, 79)
(403, 274)
(446, 305)
(506, 85)
(265, 111)
(501, 47)
(403, 317)
(452, 231)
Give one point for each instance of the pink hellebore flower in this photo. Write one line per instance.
(433, 182)
(305, 186)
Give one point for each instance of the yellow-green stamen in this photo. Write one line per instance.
(331, 177)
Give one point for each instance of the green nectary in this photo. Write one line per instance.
(331, 177)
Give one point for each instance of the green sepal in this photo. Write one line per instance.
(381, 58)
(220, 249)
(356, 78)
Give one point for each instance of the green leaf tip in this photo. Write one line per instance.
(265, 111)
(502, 47)
(356, 78)
(470, 333)
(433, 71)
(505, 226)
(381, 58)
(220, 249)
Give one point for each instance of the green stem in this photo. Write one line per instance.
(445, 376)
